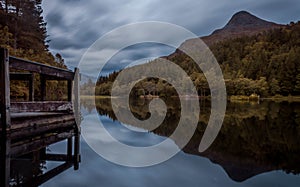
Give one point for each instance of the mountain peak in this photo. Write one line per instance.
(245, 19)
(241, 23)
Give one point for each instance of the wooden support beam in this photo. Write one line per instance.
(5, 118)
(20, 76)
(76, 105)
(43, 87)
(4, 89)
(56, 157)
(69, 149)
(70, 86)
(31, 88)
(76, 101)
(41, 129)
(77, 157)
(42, 106)
(21, 64)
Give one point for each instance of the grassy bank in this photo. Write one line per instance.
(233, 98)
(276, 98)
(95, 97)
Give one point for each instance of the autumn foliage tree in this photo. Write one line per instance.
(23, 32)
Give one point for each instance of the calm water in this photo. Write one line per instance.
(259, 145)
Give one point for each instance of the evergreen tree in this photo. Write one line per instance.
(23, 32)
(24, 19)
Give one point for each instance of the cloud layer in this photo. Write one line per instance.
(74, 25)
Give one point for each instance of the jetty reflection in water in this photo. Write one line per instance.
(32, 163)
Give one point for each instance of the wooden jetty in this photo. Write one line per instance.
(28, 127)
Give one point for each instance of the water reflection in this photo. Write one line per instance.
(181, 170)
(25, 155)
(255, 138)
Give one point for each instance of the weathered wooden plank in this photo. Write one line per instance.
(25, 122)
(48, 77)
(21, 64)
(20, 76)
(27, 115)
(42, 106)
(56, 157)
(29, 132)
(5, 118)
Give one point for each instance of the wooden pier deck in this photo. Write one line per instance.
(28, 127)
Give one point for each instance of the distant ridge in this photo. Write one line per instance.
(242, 23)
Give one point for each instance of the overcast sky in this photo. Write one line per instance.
(73, 25)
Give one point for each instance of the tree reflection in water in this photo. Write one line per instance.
(255, 138)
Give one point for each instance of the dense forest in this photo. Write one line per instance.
(265, 64)
(23, 33)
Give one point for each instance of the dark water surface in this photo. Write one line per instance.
(258, 145)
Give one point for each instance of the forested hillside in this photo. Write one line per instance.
(266, 64)
(23, 32)
(272, 56)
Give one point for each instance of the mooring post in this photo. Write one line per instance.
(76, 101)
(76, 105)
(5, 118)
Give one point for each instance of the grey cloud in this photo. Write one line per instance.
(54, 18)
(79, 40)
(134, 53)
(278, 11)
(70, 1)
(73, 25)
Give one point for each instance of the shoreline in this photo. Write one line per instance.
(233, 98)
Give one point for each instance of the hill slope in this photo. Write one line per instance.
(257, 57)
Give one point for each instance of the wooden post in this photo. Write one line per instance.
(5, 89)
(77, 150)
(31, 88)
(76, 102)
(76, 105)
(69, 149)
(43, 87)
(70, 86)
(5, 118)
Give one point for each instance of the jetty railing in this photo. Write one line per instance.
(32, 125)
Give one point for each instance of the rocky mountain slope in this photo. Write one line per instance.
(241, 24)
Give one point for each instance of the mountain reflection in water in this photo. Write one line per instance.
(255, 138)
